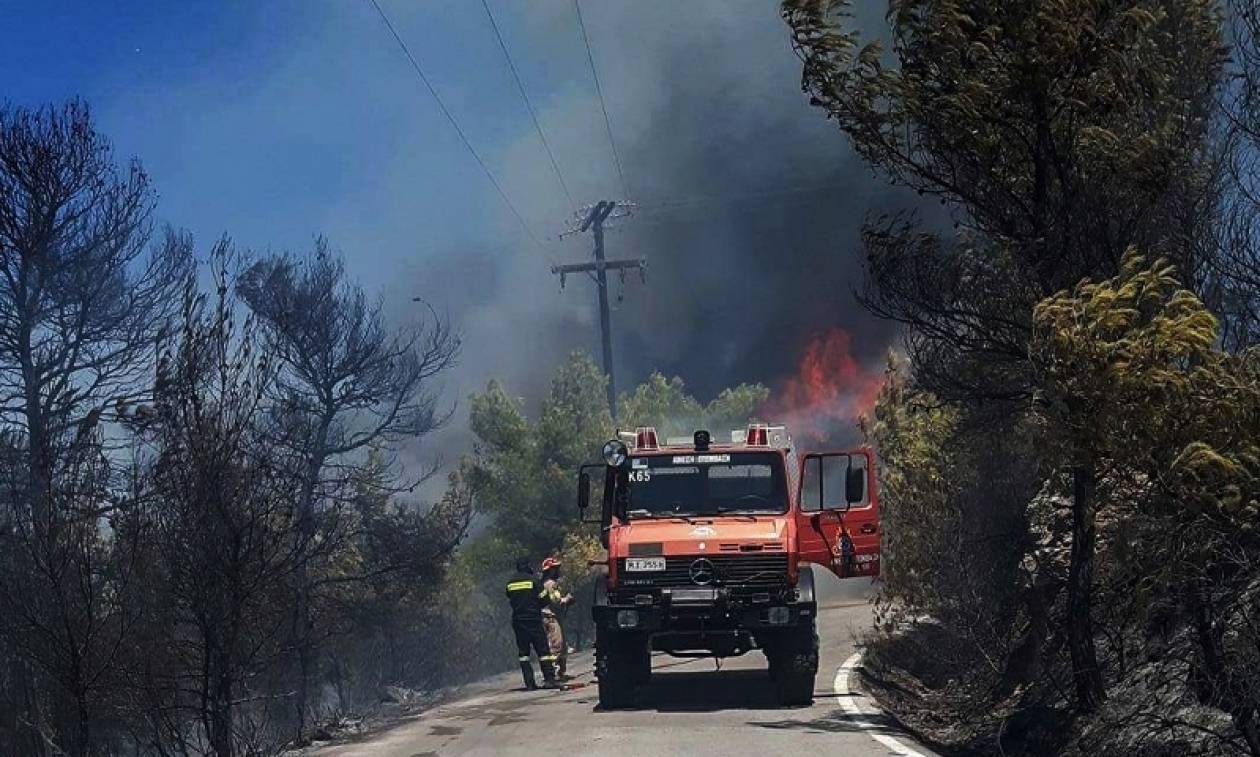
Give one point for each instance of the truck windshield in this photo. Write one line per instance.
(706, 483)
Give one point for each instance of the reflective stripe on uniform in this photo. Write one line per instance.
(520, 586)
(523, 658)
(547, 658)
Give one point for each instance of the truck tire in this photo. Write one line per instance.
(794, 664)
(618, 668)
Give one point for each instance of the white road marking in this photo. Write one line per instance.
(849, 702)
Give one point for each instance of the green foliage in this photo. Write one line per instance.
(523, 472)
(664, 404)
(1133, 372)
(919, 483)
(735, 407)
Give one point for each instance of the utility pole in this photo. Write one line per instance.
(593, 220)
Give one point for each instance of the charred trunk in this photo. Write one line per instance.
(304, 620)
(83, 729)
(221, 742)
(1086, 675)
(1023, 665)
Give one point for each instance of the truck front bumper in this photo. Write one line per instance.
(702, 610)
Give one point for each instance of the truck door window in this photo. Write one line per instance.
(832, 469)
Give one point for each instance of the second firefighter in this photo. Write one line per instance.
(553, 613)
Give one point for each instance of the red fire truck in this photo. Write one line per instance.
(712, 547)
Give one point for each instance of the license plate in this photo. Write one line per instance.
(644, 563)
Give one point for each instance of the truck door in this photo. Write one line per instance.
(837, 521)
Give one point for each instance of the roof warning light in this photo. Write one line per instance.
(645, 438)
(762, 435)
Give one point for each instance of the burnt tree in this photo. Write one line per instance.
(83, 293)
(345, 383)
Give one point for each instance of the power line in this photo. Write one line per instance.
(668, 205)
(577, 6)
(449, 117)
(655, 210)
(667, 212)
(528, 105)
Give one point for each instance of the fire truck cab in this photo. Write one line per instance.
(712, 547)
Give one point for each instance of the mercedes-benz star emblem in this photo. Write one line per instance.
(702, 572)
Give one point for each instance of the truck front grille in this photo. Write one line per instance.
(732, 571)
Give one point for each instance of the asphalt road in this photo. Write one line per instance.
(693, 710)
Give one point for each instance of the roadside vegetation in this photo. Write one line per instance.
(1068, 440)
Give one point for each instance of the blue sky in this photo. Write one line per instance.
(276, 120)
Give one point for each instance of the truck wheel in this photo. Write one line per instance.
(616, 669)
(794, 664)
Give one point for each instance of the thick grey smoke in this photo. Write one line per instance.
(750, 206)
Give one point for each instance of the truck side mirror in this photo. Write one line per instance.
(854, 484)
(584, 492)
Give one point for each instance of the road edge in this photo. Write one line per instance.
(850, 700)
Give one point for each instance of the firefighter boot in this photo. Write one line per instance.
(549, 674)
(527, 672)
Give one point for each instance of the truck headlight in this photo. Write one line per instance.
(778, 616)
(627, 618)
(615, 452)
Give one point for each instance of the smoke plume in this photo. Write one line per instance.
(749, 210)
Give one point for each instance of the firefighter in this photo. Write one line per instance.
(527, 596)
(552, 612)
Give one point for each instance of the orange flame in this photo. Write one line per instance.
(829, 392)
